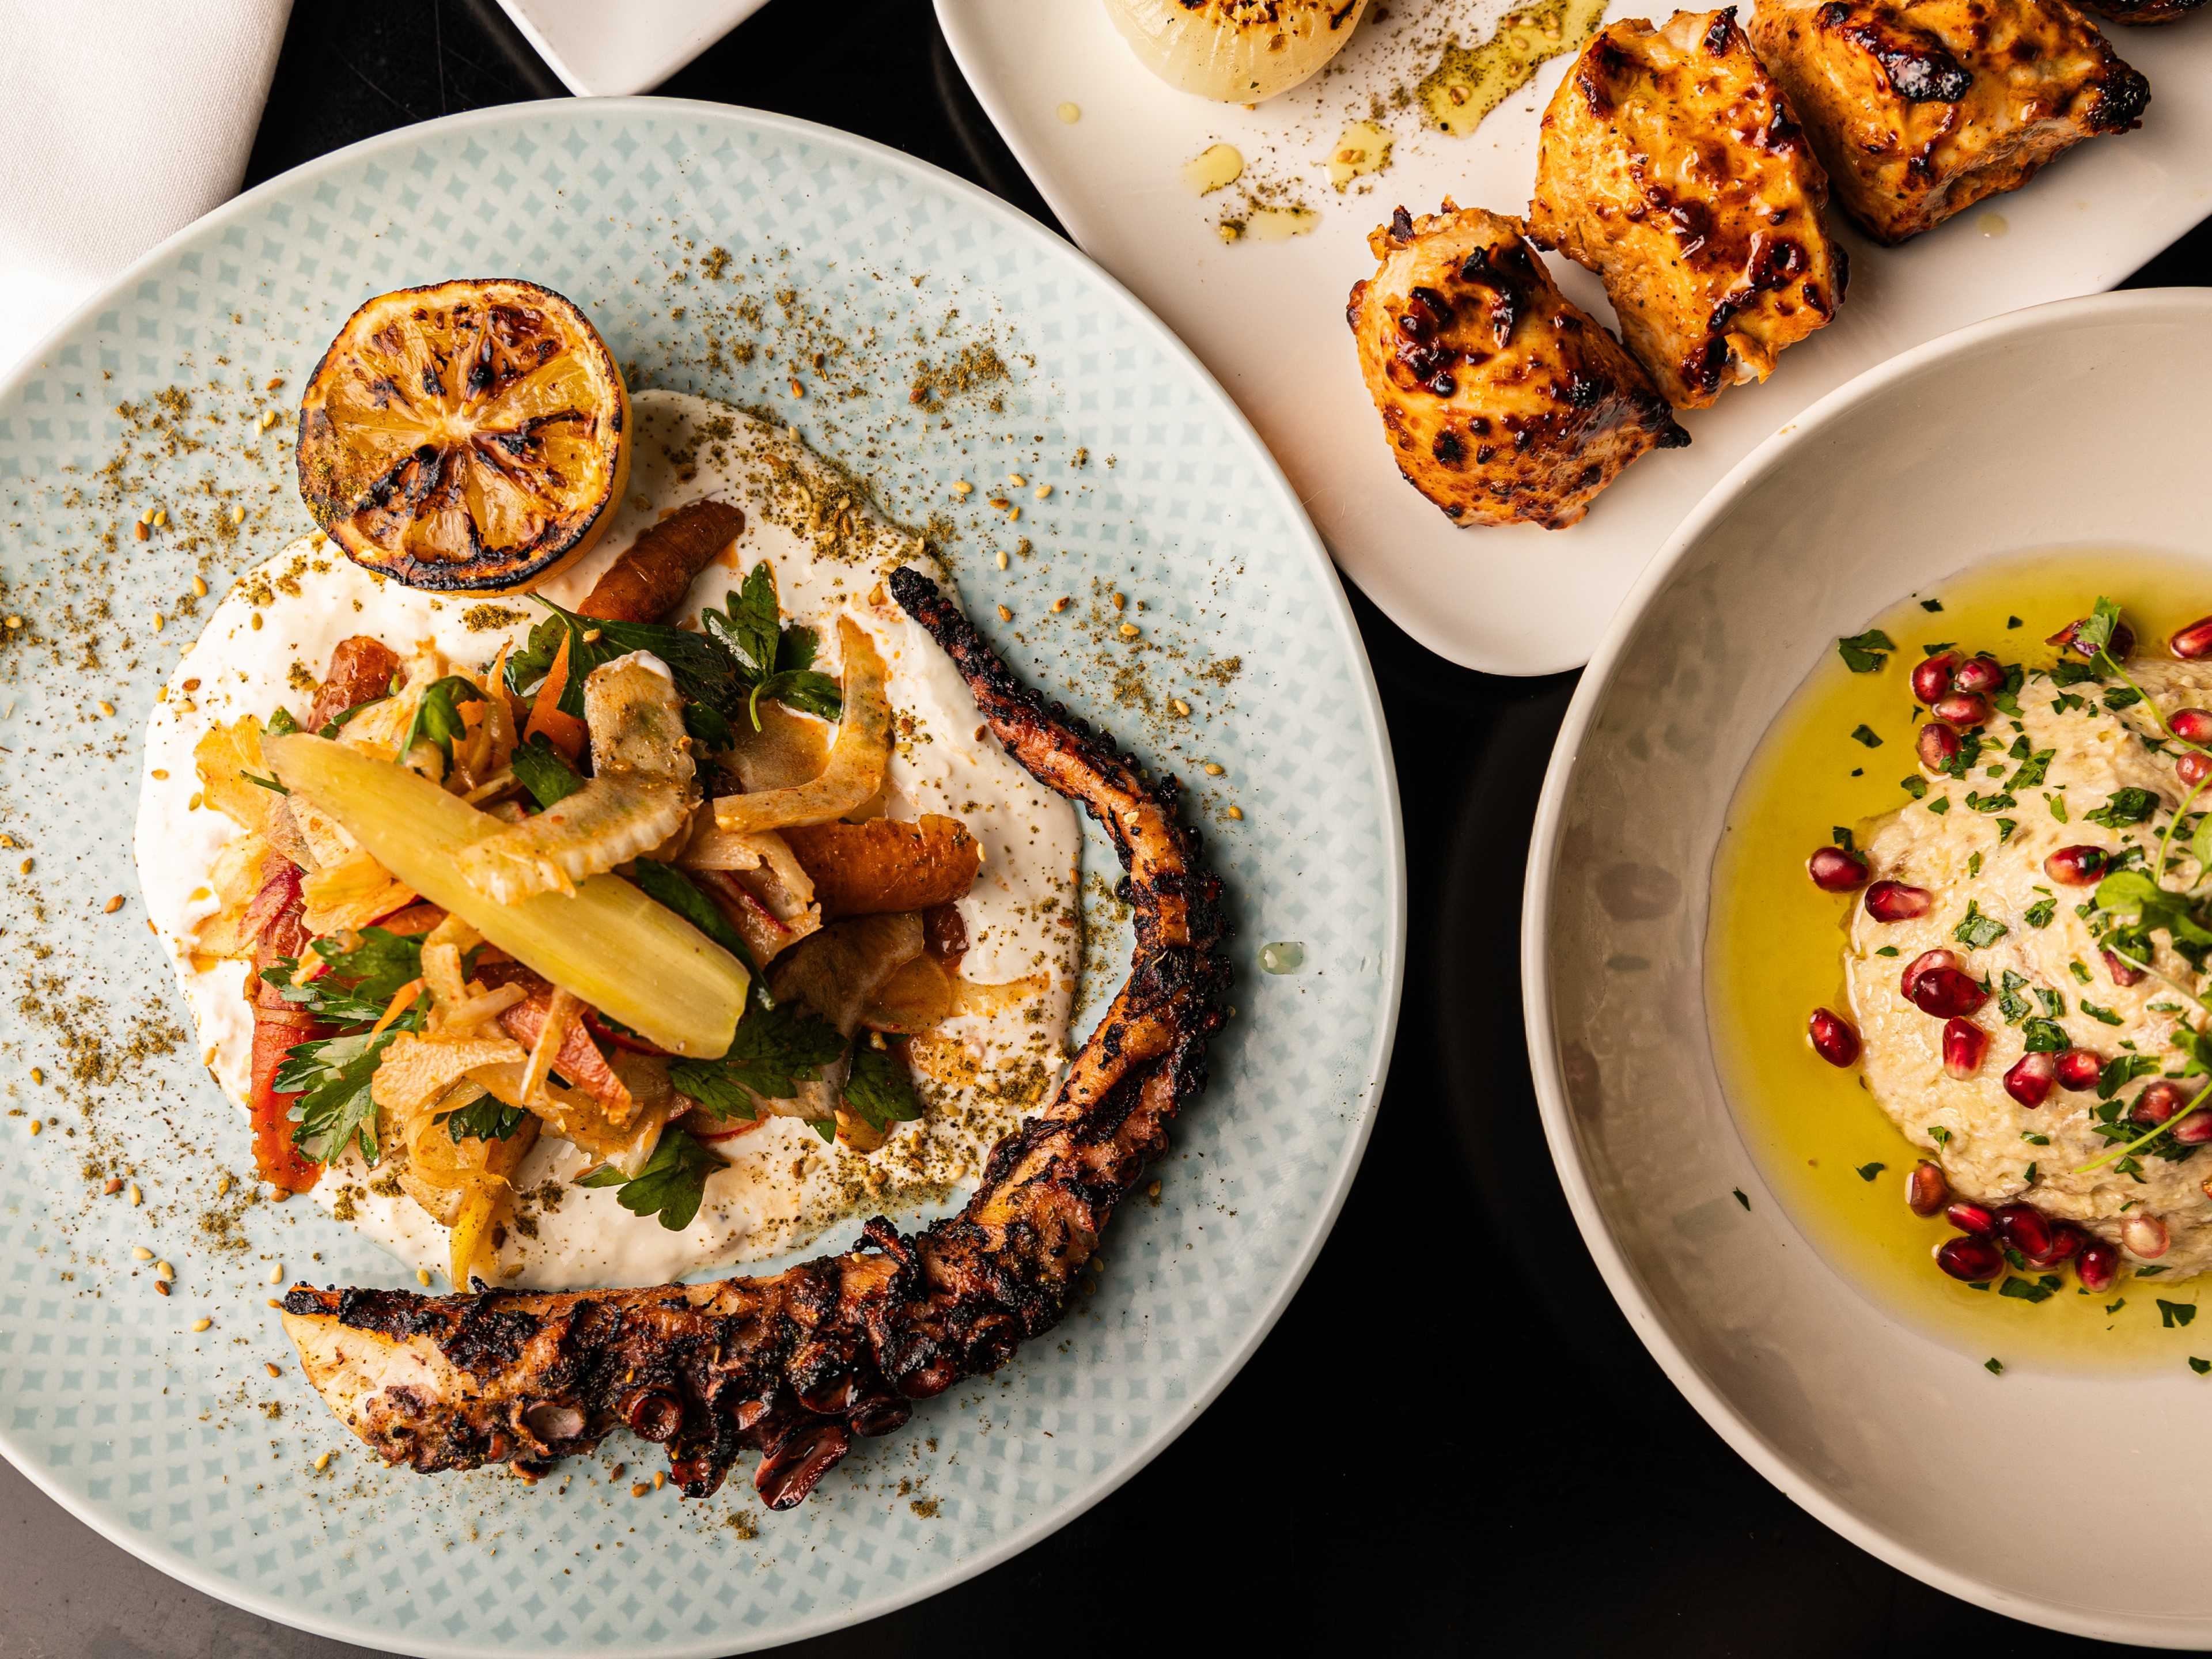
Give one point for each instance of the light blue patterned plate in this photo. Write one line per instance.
(783, 267)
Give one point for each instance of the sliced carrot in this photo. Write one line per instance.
(401, 1001)
(563, 730)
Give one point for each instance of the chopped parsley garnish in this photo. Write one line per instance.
(486, 1118)
(1994, 1366)
(1869, 1171)
(2039, 915)
(2175, 1315)
(1931, 605)
(772, 1051)
(1740, 1198)
(332, 1077)
(360, 980)
(1865, 734)
(1979, 932)
(2045, 1036)
(2094, 1012)
(1915, 786)
(2125, 806)
(1866, 654)
(672, 1185)
(1940, 806)
(1939, 1134)
(2200, 1366)
(2021, 1290)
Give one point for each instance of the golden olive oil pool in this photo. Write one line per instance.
(1774, 953)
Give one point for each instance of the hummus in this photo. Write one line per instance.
(2045, 778)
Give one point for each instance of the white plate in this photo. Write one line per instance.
(2029, 1493)
(1268, 318)
(600, 50)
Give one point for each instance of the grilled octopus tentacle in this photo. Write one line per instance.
(794, 1367)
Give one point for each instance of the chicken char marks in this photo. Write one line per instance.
(796, 1367)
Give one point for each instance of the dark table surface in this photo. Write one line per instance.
(1524, 1479)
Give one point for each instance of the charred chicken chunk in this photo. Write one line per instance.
(1502, 402)
(1921, 108)
(1669, 165)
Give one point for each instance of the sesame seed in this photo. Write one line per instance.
(592, 635)
(960, 487)
(199, 585)
(1152, 1191)
(136, 1197)
(270, 1366)
(268, 419)
(14, 621)
(24, 868)
(202, 1323)
(160, 517)
(1179, 705)
(1059, 605)
(274, 382)
(322, 1462)
(139, 532)
(146, 517)
(1042, 491)
(106, 707)
(159, 774)
(275, 1273)
(659, 1478)
(1237, 812)
(140, 1253)
(797, 390)
(1000, 502)
(223, 1186)
(37, 1124)
(160, 621)
(1213, 768)
(38, 1074)
(274, 1303)
(1002, 558)
(1014, 515)
(161, 1286)
(1129, 630)
(163, 1270)
(421, 1275)
(113, 904)
(1016, 479)
(1004, 615)
(639, 1489)
(9, 840)
(255, 623)
(112, 1186)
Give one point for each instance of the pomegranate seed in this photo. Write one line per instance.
(2122, 973)
(2080, 1068)
(1938, 745)
(1981, 675)
(2159, 1101)
(1962, 708)
(2192, 725)
(2195, 1130)
(1975, 1261)
(1835, 1039)
(2066, 1241)
(1926, 962)
(2123, 642)
(1964, 1045)
(1949, 995)
(1971, 1218)
(2098, 1266)
(1926, 1191)
(2076, 867)
(2145, 1236)
(1835, 871)
(2027, 1229)
(2030, 1079)
(2193, 642)
(2192, 769)
(1892, 901)
(1932, 678)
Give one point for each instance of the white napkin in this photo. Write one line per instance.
(120, 121)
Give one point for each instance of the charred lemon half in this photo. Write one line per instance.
(471, 436)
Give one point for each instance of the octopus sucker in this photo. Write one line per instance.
(795, 1367)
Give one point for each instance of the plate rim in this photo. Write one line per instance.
(1367, 1096)
(1784, 1474)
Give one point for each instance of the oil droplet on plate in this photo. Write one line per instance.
(1993, 225)
(1472, 81)
(1211, 169)
(1364, 148)
(1281, 224)
(1283, 957)
(1069, 114)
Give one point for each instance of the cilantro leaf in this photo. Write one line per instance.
(438, 715)
(879, 1091)
(485, 1118)
(672, 1185)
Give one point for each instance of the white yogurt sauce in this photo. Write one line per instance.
(273, 635)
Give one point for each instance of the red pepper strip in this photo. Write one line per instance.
(277, 1024)
(578, 1059)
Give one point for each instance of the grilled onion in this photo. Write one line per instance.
(1239, 52)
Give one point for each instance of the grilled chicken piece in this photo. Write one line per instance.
(1921, 108)
(795, 1366)
(2141, 11)
(1502, 404)
(1669, 165)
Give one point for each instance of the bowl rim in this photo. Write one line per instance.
(1364, 1095)
(1796, 1482)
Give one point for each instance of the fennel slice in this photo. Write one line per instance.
(632, 959)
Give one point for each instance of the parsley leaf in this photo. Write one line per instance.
(361, 981)
(1866, 654)
(2174, 1315)
(1869, 1171)
(438, 715)
(545, 771)
(773, 1051)
(672, 1185)
(879, 1091)
(1865, 734)
(1979, 932)
(2125, 806)
(2039, 915)
(485, 1118)
(2045, 1036)
(332, 1078)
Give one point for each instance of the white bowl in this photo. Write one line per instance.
(2082, 1501)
